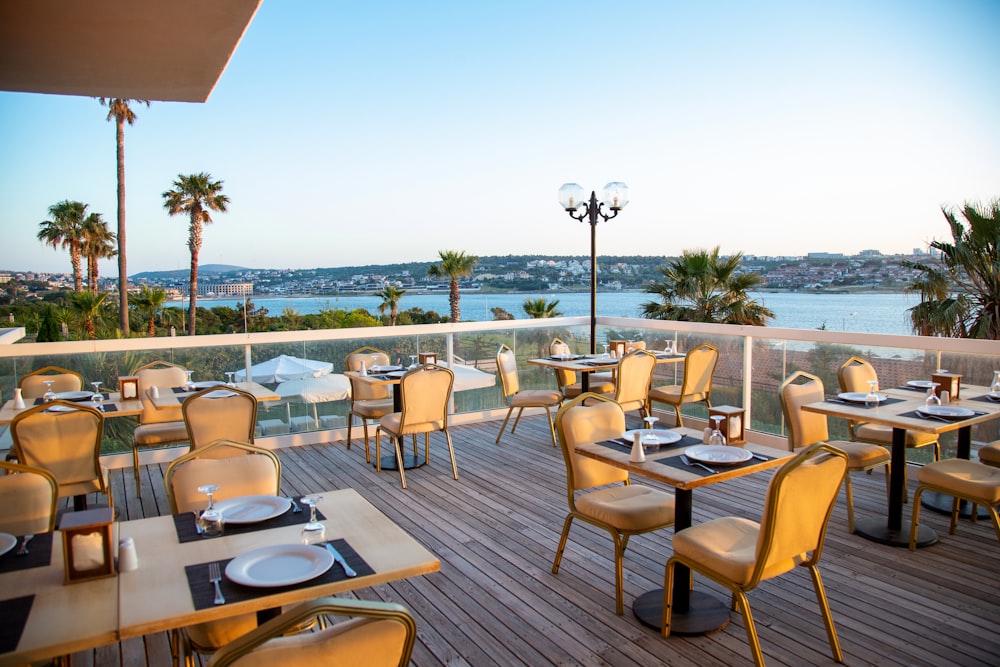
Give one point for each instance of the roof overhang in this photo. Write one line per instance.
(170, 50)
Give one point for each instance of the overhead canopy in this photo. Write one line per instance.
(171, 50)
(467, 377)
(283, 368)
(322, 389)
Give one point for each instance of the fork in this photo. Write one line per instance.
(215, 576)
(689, 462)
(23, 549)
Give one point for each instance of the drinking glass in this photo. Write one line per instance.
(313, 532)
(210, 519)
(413, 362)
(649, 440)
(717, 438)
(932, 398)
(995, 385)
(190, 381)
(229, 378)
(98, 397)
(668, 347)
(606, 348)
(49, 395)
(871, 398)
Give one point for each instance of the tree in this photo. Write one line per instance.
(501, 313)
(453, 266)
(98, 243)
(197, 195)
(540, 308)
(699, 286)
(118, 108)
(48, 329)
(66, 229)
(149, 303)
(87, 309)
(390, 295)
(961, 297)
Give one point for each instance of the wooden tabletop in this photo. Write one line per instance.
(121, 408)
(156, 596)
(168, 397)
(591, 363)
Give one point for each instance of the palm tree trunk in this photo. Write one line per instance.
(75, 260)
(122, 270)
(194, 243)
(453, 298)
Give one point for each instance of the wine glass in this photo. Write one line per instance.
(98, 397)
(49, 395)
(313, 532)
(932, 399)
(871, 398)
(717, 438)
(210, 519)
(606, 348)
(413, 362)
(190, 381)
(995, 385)
(229, 378)
(650, 441)
(668, 347)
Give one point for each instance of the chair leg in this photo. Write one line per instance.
(378, 450)
(397, 441)
(364, 424)
(668, 598)
(824, 607)
(996, 519)
(451, 450)
(915, 518)
(562, 544)
(552, 428)
(850, 503)
(517, 420)
(954, 516)
(350, 423)
(619, 573)
(677, 411)
(744, 605)
(504, 425)
(135, 470)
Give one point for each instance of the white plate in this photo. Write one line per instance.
(252, 509)
(205, 384)
(385, 369)
(663, 436)
(859, 396)
(7, 542)
(74, 395)
(720, 455)
(993, 395)
(59, 408)
(947, 411)
(920, 384)
(279, 565)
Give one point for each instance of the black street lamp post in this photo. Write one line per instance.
(615, 197)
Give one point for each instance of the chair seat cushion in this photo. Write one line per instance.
(726, 546)
(391, 423)
(882, 434)
(672, 394)
(969, 479)
(534, 397)
(990, 454)
(357, 641)
(372, 409)
(598, 387)
(160, 433)
(862, 455)
(633, 507)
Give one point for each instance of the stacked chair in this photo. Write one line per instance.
(515, 397)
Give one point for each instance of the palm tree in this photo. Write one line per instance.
(196, 195)
(118, 108)
(961, 297)
(66, 229)
(149, 302)
(540, 308)
(699, 286)
(98, 243)
(454, 265)
(390, 295)
(88, 308)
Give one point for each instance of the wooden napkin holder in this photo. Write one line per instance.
(733, 425)
(617, 348)
(128, 387)
(428, 358)
(87, 544)
(949, 382)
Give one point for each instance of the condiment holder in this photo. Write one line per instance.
(949, 382)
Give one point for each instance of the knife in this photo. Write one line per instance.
(340, 559)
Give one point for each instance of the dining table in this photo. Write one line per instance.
(112, 406)
(695, 612)
(903, 409)
(172, 396)
(585, 364)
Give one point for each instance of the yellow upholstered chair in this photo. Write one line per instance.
(806, 428)
(368, 401)
(635, 373)
(854, 375)
(379, 634)
(699, 367)
(962, 480)
(990, 454)
(33, 384)
(157, 426)
(239, 469)
(65, 439)
(598, 493)
(425, 392)
(740, 554)
(516, 397)
(28, 499)
(567, 382)
(219, 413)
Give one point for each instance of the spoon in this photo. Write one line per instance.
(23, 549)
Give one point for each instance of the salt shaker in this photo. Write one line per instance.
(945, 397)
(154, 391)
(18, 399)
(638, 454)
(364, 370)
(128, 560)
(706, 435)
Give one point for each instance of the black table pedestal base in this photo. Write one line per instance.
(409, 461)
(876, 529)
(705, 614)
(941, 503)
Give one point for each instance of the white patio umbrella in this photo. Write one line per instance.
(329, 387)
(467, 377)
(283, 368)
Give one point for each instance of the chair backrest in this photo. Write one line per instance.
(804, 428)
(61, 437)
(370, 356)
(424, 392)
(563, 377)
(28, 499)
(635, 372)
(854, 374)
(164, 376)
(587, 419)
(239, 469)
(219, 414)
(33, 384)
(800, 500)
(379, 634)
(699, 367)
(507, 370)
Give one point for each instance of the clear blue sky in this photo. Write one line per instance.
(347, 132)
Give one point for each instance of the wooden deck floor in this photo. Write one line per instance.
(496, 602)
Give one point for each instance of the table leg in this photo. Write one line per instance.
(890, 531)
(584, 383)
(694, 612)
(409, 460)
(939, 502)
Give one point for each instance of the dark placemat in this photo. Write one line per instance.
(14, 613)
(916, 415)
(888, 401)
(983, 399)
(39, 555)
(187, 532)
(676, 462)
(921, 390)
(39, 401)
(203, 592)
(570, 357)
(623, 445)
